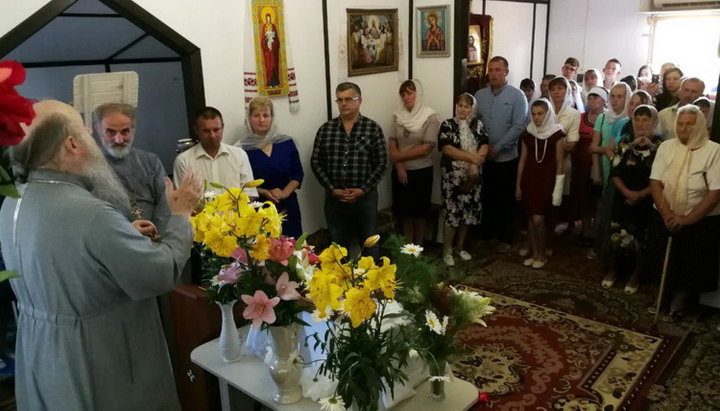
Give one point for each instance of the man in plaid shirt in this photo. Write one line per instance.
(349, 158)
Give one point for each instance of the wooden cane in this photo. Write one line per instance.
(662, 280)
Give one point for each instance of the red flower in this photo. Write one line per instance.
(484, 397)
(14, 108)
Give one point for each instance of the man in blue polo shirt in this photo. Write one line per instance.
(502, 109)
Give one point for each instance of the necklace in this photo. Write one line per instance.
(536, 151)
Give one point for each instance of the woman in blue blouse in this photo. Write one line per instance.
(275, 159)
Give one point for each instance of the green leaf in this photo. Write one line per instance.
(6, 275)
(9, 190)
(216, 185)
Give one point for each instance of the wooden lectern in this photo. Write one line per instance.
(195, 320)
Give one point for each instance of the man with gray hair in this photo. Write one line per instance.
(141, 172)
(691, 88)
(89, 334)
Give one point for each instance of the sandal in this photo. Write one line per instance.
(673, 316)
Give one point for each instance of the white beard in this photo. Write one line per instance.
(116, 150)
(106, 184)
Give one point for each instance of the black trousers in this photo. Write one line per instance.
(499, 214)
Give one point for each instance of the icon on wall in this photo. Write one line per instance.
(433, 31)
(372, 41)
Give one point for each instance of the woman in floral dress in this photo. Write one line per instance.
(464, 146)
(632, 206)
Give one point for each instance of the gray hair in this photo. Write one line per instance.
(108, 108)
(41, 145)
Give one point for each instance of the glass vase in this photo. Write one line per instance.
(284, 368)
(229, 342)
(438, 370)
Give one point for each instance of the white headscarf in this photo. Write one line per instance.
(654, 118)
(675, 178)
(467, 139)
(576, 96)
(549, 126)
(598, 83)
(414, 119)
(610, 115)
(567, 101)
(709, 119)
(258, 141)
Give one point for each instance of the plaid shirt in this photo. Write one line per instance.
(357, 160)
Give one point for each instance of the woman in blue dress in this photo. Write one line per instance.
(275, 159)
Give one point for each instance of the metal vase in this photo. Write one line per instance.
(284, 368)
(229, 342)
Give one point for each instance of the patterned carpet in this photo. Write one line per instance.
(533, 357)
(605, 324)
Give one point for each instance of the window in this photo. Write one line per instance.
(691, 42)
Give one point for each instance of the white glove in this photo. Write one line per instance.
(558, 190)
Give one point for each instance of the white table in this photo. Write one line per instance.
(251, 376)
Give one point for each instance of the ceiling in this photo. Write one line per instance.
(89, 32)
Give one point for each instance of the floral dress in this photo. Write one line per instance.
(632, 164)
(461, 198)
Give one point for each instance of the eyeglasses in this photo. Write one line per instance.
(341, 100)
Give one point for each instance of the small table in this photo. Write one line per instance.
(251, 376)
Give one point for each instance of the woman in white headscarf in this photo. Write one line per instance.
(603, 144)
(685, 186)
(607, 128)
(630, 174)
(464, 146)
(568, 117)
(707, 107)
(275, 159)
(413, 137)
(540, 175)
(590, 80)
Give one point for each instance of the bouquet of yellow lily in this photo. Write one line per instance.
(364, 353)
(245, 256)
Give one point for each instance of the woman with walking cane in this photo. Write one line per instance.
(685, 186)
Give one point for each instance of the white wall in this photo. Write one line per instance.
(512, 34)
(594, 31)
(218, 31)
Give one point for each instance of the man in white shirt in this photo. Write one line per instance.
(690, 90)
(212, 159)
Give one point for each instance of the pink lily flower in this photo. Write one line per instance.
(229, 274)
(281, 249)
(260, 308)
(287, 290)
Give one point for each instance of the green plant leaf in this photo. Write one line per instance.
(9, 190)
(6, 275)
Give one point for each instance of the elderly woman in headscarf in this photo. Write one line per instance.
(275, 159)
(630, 174)
(413, 137)
(464, 146)
(685, 187)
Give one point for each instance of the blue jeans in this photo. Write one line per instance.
(351, 223)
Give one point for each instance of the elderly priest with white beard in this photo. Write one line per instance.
(89, 334)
